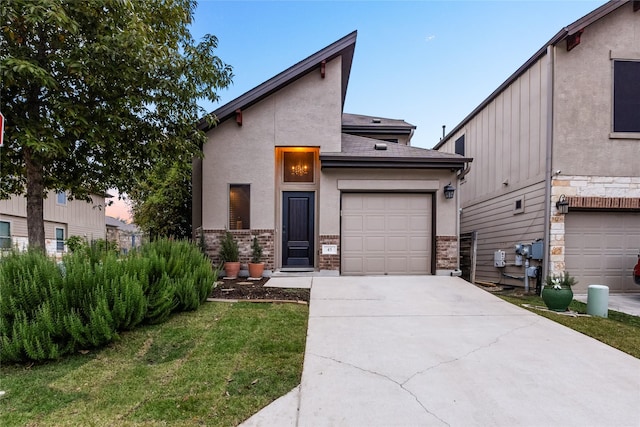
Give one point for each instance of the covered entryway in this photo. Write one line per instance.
(386, 233)
(602, 248)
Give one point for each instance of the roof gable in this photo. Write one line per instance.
(344, 47)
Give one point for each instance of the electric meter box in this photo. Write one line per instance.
(537, 250)
(499, 258)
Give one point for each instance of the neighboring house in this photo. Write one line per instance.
(565, 125)
(324, 190)
(62, 218)
(125, 236)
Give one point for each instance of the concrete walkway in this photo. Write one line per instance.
(437, 351)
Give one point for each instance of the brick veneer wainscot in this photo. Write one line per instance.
(329, 262)
(446, 252)
(244, 238)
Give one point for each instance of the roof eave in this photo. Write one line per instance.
(344, 47)
(328, 161)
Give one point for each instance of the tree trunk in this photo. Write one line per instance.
(35, 202)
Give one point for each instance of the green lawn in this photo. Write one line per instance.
(619, 330)
(216, 367)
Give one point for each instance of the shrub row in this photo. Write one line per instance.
(48, 310)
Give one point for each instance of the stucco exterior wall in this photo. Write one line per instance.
(583, 99)
(391, 180)
(307, 113)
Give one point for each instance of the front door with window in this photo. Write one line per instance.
(298, 209)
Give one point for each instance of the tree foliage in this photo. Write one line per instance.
(161, 202)
(96, 92)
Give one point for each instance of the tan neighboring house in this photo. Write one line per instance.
(324, 190)
(565, 127)
(125, 236)
(62, 218)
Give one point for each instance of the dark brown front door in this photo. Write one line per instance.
(297, 229)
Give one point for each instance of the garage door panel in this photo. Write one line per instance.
(374, 223)
(602, 248)
(397, 243)
(395, 233)
(352, 223)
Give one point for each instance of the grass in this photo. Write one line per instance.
(216, 366)
(619, 330)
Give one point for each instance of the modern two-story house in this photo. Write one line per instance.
(321, 189)
(556, 158)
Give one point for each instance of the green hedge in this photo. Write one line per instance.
(48, 309)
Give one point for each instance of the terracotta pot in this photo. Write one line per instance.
(231, 269)
(557, 299)
(256, 270)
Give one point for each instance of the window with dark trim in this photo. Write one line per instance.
(626, 96)
(239, 206)
(5, 235)
(460, 145)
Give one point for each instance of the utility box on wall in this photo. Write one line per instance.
(499, 259)
(537, 250)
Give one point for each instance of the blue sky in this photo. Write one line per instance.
(427, 62)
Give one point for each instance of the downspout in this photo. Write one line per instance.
(548, 160)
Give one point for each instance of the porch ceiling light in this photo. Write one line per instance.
(562, 205)
(449, 190)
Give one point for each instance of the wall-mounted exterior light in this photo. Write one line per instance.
(449, 190)
(562, 205)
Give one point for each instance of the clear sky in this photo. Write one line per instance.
(427, 62)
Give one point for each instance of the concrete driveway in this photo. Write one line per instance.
(437, 351)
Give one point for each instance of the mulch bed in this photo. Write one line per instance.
(243, 289)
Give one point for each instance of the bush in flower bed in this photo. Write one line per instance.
(48, 310)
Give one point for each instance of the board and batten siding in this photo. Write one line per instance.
(78, 217)
(506, 139)
(498, 227)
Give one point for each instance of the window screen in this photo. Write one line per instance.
(626, 96)
(239, 206)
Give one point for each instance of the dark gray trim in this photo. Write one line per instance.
(343, 47)
(560, 36)
(377, 130)
(387, 163)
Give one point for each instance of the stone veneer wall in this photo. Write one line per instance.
(244, 238)
(586, 192)
(446, 252)
(329, 262)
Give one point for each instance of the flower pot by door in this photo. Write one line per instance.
(557, 299)
(231, 269)
(256, 269)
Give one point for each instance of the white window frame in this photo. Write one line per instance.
(61, 202)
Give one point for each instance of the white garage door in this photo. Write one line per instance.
(602, 248)
(386, 234)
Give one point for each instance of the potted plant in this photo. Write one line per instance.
(557, 293)
(256, 266)
(229, 255)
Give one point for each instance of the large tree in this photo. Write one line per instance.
(95, 92)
